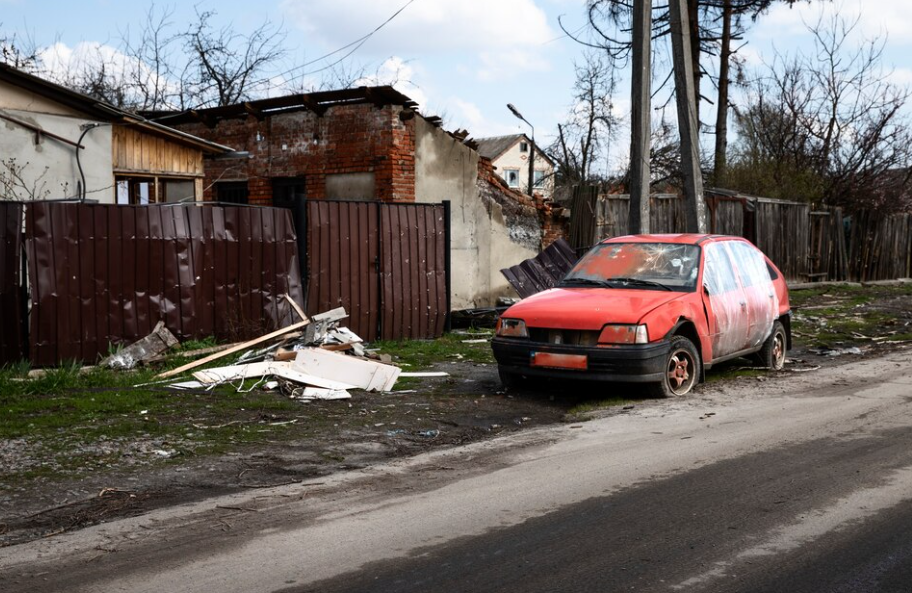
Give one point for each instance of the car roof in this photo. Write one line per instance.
(681, 238)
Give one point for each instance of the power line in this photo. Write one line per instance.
(357, 43)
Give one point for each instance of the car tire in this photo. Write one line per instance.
(772, 354)
(681, 370)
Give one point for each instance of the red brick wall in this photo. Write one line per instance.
(358, 138)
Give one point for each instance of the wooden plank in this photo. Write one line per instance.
(237, 348)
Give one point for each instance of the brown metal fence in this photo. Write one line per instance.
(13, 297)
(387, 264)
(103, 275)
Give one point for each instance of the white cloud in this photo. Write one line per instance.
(401, 75)
(425, 26)
(466, 115)
(875, 18)
(504, 65)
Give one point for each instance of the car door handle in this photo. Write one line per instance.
(743, 304)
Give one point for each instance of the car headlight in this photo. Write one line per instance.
(624, 334)
(512, 328)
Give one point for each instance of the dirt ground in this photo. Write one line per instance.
(468, 405)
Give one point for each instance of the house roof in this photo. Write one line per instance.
(317, 102)
(494, 146)
(101, 110)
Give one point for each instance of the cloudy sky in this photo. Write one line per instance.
(463, 59)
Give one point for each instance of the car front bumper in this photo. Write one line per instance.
(635, 363)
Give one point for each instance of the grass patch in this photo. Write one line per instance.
(417, 355)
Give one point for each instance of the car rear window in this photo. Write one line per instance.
(672, 265)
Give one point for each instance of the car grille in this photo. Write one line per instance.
(564, 336)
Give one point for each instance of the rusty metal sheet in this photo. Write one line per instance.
(102, 275)
(385, 263)
(543, 271)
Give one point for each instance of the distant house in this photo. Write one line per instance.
(511, 155)
(371, 144)
(60, 144)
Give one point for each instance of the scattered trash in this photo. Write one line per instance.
(142, 350)
(313, 393)
(429, 434)
(482, 341)
(425, 374)
(839, 351)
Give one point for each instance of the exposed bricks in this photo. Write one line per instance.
(354, 138)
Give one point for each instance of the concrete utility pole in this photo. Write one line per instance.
(641, 125)
(688, 122)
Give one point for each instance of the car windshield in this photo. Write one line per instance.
(651, 266)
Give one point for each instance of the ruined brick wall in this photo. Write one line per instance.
(355, 138)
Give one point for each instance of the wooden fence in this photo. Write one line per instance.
(806, 245)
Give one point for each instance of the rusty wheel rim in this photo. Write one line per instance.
(680, 372)
(778, 351)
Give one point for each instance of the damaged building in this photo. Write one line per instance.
(371, 144)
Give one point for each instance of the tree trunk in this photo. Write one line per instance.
(721, 150)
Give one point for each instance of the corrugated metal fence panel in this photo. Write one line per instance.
(543, 271)
(103, 275)
(413, 270)
(13, 343)
(342, 252)
(385, 263)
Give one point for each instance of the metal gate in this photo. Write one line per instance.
(387, 264)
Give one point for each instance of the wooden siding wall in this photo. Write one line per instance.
(103, 275)
(138, 152)
(385, 263)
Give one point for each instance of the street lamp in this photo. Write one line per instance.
(516, 112)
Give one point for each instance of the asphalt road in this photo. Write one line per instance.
(802, 483)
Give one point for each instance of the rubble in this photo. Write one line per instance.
(313, 359)
(142, 350)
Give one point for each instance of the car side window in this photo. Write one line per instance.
(718, 276)
(752, 268)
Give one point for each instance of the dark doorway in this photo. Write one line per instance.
(289, 192)
(231, 192)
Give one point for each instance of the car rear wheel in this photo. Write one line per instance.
(772, 354)
(682, 368)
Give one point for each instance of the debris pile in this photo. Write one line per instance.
(315, 358)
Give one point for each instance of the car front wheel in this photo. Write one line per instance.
(682, 368)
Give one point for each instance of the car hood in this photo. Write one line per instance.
(588, 308)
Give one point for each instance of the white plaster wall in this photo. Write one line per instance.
(48, 167)
(446, 169)
(514, 159)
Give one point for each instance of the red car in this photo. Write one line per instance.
(655, 309)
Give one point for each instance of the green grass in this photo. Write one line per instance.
(838, 313)
(417, 355)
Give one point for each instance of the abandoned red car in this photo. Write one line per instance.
(654, 309)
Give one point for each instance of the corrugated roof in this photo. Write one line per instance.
(493, 147)
(101, 110)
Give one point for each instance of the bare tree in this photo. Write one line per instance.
(19, 52)
(714, 26)
(584, 137)
(833, 118)
(226, 64)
